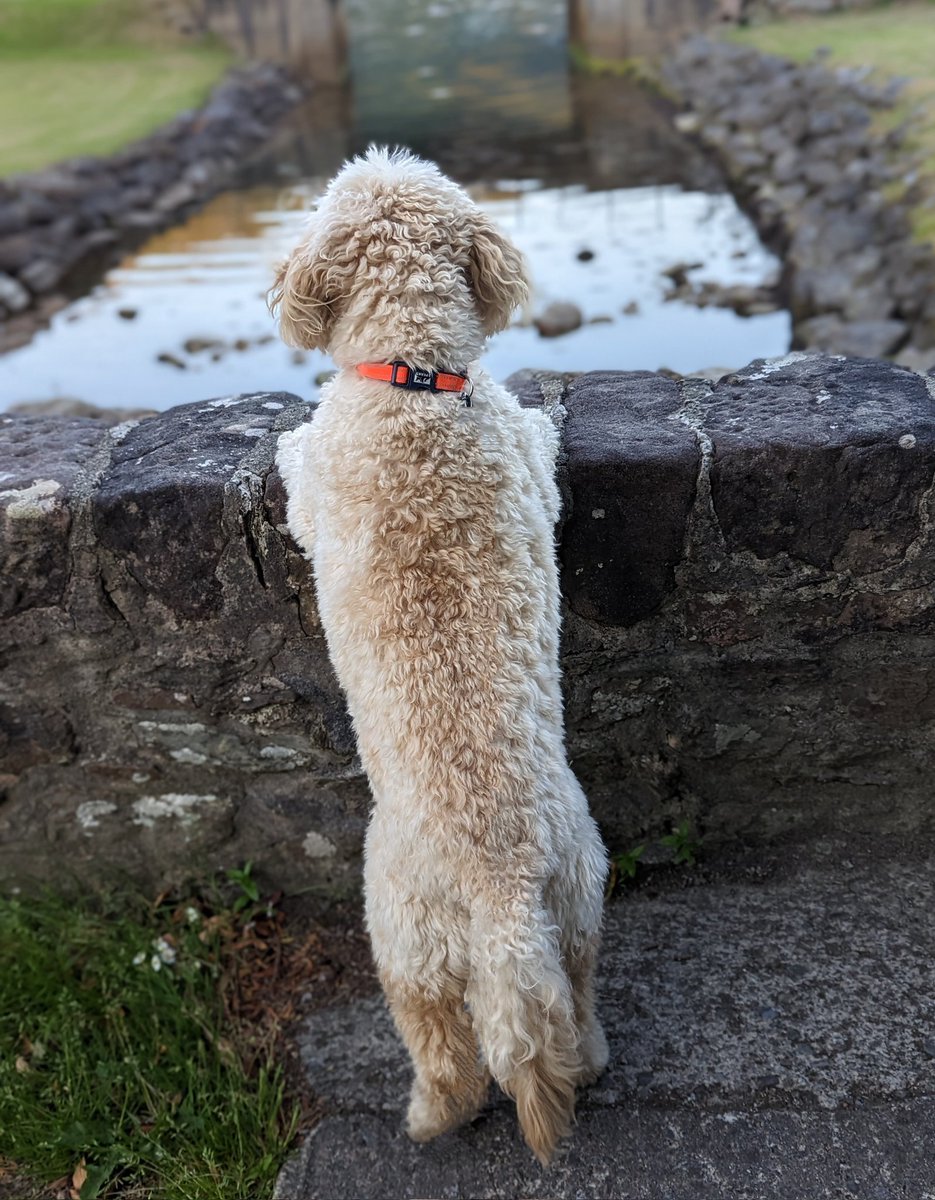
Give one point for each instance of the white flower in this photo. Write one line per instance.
(139, 959)
(192, 915)
(165, 950)
(156, 962)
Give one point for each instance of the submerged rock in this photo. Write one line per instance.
(559, 317)
(171, 360)
(747, 300)
(13, 296)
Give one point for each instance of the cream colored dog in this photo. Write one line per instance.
(429, 521)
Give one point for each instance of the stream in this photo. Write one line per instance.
(586, 174)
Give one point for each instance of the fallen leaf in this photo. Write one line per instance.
(79, 1175)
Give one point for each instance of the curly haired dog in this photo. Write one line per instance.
(429, 520)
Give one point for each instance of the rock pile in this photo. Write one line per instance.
(63, 224)
(800, 150)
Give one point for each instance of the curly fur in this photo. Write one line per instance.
(430, 529)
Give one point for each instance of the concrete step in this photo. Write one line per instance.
(772, 1035)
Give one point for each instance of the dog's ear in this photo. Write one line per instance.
(299, 296)
(497, 275)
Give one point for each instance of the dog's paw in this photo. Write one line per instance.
(433, 1112)
(594, 1056)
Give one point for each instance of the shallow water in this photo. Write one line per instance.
(207, 280)
(564, 164)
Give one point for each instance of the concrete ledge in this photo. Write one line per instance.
(770, 1038)
(747, 570)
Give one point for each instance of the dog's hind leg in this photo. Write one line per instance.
(577, 897)
(449, 1085)
(581, 960)
(420, 948)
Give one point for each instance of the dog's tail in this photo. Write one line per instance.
(524, 1017)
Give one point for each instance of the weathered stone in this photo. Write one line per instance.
(632, 465)
(839, 479)
(165, 750)
(747, 640)
(54, 219)
(769, 1037)
(797, 142)
(13, 296)
(43, 461)
(13, 217)
(42, 275)
(869, 339)
(16, 251)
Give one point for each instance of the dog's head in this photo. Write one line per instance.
(397, 260)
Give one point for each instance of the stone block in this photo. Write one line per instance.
(747, 572)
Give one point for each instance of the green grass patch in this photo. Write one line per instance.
(87, 76)
(894, 40)
(121, 1065)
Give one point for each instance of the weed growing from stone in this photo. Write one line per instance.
(623, 867)
(249, 891)
(682, 843)
(128, 1064)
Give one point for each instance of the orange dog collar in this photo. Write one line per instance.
(415, 379)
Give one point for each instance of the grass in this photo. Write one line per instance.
(124, 1067)
(87, 76)
(895, 40)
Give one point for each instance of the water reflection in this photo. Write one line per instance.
(565, 164)
(196, 297)
(435, 70)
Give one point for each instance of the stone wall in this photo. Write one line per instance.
(307, 34)
(749, 609)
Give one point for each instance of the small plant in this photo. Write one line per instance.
(624, 866)
(683, 843)
(249, 889)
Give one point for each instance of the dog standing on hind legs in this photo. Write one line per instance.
(425, 498)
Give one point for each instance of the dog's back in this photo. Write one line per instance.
(437, 585)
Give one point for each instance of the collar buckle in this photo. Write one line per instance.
(416, 379)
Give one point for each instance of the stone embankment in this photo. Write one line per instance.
(747, 573)
(800, 149)
(61, 227)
